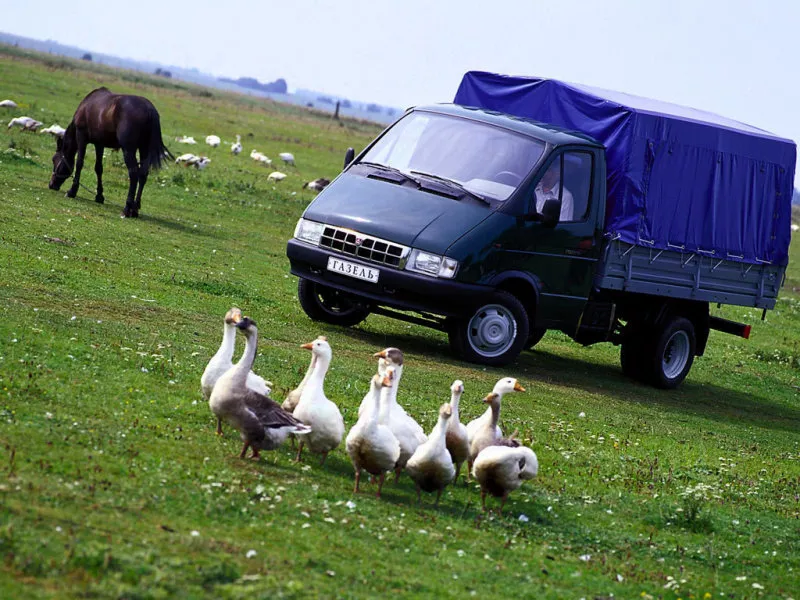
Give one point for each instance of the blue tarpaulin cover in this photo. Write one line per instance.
(678, 178)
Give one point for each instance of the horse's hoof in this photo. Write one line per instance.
(71, 194)
(99, 199)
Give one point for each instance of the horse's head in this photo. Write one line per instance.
(62, 165)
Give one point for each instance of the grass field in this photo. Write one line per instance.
(112, 481)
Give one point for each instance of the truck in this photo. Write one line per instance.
(532, 204)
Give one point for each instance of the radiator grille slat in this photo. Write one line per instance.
(363, 246)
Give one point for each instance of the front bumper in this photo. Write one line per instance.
(402, 290)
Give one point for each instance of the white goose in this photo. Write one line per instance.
(500, 470)
(371, 445)
(456, 437)
(390, 357)
(276, 176)
(287, 158)
(484, 430)
(263, 424)
(222, 361)
(55, 130)
(213, 140)
(315, 410)
(430, 466)
(293, 397)
(8, 104)
(407, 431)
(237, 147)
(25, 123)
(502, 387)
(185, 139)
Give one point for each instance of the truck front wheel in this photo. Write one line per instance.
(494, 334)
(326, 304)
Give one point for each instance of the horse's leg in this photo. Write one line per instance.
(76, 180)
(98, 170)
(133, 174)
(144, 171)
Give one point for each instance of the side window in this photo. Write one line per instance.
(577, 186)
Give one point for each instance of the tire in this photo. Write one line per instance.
(322, 303)
(671, 353)
(494, 334)
(534, 337)
(631, 355)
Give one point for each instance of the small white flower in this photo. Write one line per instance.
(144, 369)
(758, 586)
(581, 415)
(330, 573)
(48, 415)
(306, 525)
(423, 532)
(735, 521)
(609, 511)
(585, 557)
(350, 504)
(194, 533)
(72, 318)
(524, 518)
(329, 520)
(620, 578)
(741, 578)
(58, 528)
(549, 509)
(250, 553)
(460, 552)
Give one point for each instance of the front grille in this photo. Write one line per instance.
(363, 246)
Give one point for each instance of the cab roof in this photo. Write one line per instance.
(557, 136)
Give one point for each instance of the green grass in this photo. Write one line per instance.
(108, 458)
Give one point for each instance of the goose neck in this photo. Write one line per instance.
(317, 377)
(228, 342)
(242, 368)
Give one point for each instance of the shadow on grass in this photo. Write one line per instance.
(707, 400)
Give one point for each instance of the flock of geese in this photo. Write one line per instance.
(384, 439)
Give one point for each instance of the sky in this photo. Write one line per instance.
(732, 57)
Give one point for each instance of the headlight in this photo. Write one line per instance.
(432, 264)
(308, 231)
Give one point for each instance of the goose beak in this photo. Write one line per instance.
(488, 399)
(307, 346)
(381, 354)
(518, 387)
(386, 381)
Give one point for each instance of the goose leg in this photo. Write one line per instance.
(483, 500)
(458, 471)
(299, 451)
(502, 503)
(244, 450)
(469, 468)
(219, 426)
(256, 455)
(397, 474)
(358, 479)
(380, 485)
(324, 456)
(438, 495)
(419, 495)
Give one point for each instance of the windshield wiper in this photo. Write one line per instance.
(451, 183)
(384, 167)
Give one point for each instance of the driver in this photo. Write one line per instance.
(547, 189)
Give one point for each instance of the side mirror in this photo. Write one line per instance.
(348, 157)
(551, 212)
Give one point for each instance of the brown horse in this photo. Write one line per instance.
(114, 121)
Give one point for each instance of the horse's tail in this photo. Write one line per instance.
(157, 151)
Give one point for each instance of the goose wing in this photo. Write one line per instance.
(270, 414)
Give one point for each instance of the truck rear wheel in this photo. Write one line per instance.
(494, 334)
(326, 304)
(662, 355)
(672, 353)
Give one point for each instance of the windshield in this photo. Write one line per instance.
(487, 161)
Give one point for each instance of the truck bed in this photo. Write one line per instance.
(687, 275)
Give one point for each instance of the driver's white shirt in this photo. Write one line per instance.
(566, 200)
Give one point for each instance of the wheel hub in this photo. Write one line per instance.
(492, 330)
(676, 354)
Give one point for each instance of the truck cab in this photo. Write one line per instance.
(487, 226)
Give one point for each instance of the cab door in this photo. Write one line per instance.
(561, 254)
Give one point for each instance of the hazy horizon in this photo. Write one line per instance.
(733, 58)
